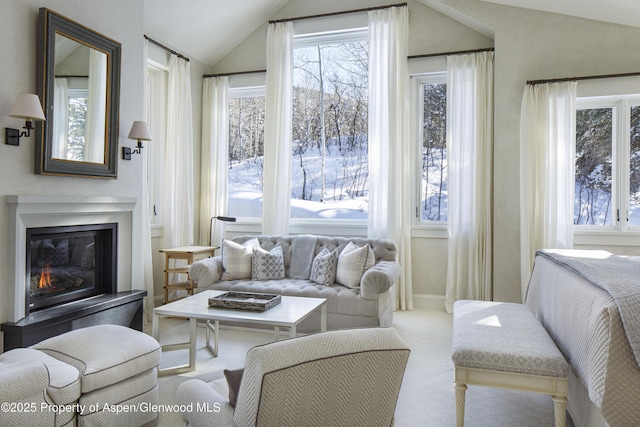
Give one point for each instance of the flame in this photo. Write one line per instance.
(45, 277)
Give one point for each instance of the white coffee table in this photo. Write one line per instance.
(289, 313)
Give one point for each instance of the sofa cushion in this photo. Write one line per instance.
(236, 259)
(323, 268)
(267, 265)
(119, 353)
(352, 263)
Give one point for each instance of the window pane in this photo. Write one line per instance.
(330, 173)
(634, 169)
(594, 130)
(433, 199)
(246, 156)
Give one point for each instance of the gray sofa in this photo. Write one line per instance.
(369, 304)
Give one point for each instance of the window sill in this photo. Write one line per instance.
(606, 238)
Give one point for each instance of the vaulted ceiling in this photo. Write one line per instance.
(208, 30)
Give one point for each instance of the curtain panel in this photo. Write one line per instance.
(469, 179)
(390, 148)
(276, 189)
(547, 171)
(215, 149)
(179, 211)
(145, 245)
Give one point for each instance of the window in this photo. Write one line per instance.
(432, 135)
(330, 171)
(607, 175)
(157, 114)
(246, 152)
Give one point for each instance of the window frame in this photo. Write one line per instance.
(156, 117)
(437, 229)
(619, 232)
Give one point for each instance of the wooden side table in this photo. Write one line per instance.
(188, 253)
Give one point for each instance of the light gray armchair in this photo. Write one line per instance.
(337, 378)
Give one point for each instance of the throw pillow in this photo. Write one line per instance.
(323, 268)
(268, 265)
(88, 261)
(352, 264)
(234, 378)
(52, 254)
(236, 259)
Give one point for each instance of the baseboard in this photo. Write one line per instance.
(431, 302)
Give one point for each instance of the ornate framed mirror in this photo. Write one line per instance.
(79, 85)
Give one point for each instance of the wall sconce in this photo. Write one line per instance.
(219, 218)
(28, 107)
(139, 131)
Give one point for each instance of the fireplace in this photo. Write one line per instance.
(69, 263)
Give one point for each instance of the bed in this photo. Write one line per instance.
(585, 321)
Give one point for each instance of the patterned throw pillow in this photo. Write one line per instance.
(323, 268)
(236, 259)
(268, 265)
(52, 254)
(88, 261)
(352, 263)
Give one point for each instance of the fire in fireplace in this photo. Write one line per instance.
(68, 263)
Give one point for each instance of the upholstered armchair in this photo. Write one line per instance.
(338, 378)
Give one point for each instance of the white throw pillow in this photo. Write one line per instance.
(268, 265)
(236, 259)
(323, 268)
(352, 263)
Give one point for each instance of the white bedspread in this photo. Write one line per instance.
(619, 276)
(586, 324)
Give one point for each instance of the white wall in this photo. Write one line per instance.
(528, 45)
(429, 32)
(532, 45)
(120, 20)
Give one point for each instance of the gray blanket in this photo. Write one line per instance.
(619, 276)
(302, 254)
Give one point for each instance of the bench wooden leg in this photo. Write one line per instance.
(460, 395)
(560, 410)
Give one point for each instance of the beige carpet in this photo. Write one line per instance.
(426, 397)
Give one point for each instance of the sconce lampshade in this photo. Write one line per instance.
(139, 131)
(28, 107)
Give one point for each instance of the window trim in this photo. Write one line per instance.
(422, 228)
(620, 171)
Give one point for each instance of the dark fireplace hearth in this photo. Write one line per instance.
(69, 263)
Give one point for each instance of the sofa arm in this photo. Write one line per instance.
(203, 405)
(206, 271)
(379, 279)
(20, 383)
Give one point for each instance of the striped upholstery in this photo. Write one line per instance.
(350, 377)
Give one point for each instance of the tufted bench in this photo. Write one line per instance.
(503, 345)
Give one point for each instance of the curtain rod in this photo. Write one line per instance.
(166, 48)
(456, 52)
(344, 12)
(574, 79)
(233, 73)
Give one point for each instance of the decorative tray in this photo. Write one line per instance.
(245, 301)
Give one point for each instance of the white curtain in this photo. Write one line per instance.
(390, 148)
(276, 190)
(145, 244)
(469, 175)
(179, 210)
(94, 138)
(215, 148)
(60, 118)
(547, 169)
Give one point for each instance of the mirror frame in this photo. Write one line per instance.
(51, 23)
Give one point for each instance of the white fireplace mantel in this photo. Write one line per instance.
(51, 211)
